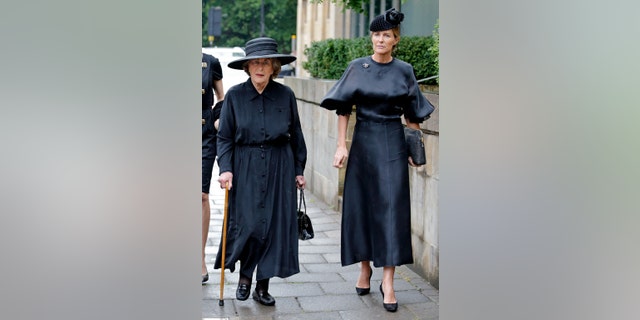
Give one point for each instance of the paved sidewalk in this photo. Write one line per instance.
(323, 289)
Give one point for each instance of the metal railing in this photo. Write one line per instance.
(428, 78)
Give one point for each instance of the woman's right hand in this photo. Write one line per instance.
(225, 179)
(340, 156)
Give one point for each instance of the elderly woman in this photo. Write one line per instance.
(261, 155)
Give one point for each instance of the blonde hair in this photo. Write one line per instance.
(275, 64)
(396, 31)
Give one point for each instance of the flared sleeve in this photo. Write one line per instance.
(340, 97)
(417, 108)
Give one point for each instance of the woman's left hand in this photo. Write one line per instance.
(300, 182)
(412, 126)
(411, 163)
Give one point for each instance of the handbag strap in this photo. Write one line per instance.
(301, 202)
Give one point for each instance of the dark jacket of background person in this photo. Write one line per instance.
(211, 72)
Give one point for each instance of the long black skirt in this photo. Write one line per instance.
(376, 212)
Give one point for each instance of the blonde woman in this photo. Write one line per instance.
(376, 217)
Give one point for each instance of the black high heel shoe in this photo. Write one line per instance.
(364, 291)
(391, 307)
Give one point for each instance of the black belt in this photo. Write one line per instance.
(266, 145)
(378, 121)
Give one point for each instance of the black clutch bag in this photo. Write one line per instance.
(305, 229)
(415, 145)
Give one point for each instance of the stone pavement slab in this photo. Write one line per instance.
(323, 289)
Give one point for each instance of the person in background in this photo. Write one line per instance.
(376, 211)
(262, 155)
(211, 83)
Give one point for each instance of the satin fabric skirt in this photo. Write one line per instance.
(376, 212)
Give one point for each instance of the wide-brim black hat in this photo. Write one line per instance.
(260, 48)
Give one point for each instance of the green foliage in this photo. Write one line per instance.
(415, 50)
(327, 59)
(435, 48)
(356, 5)
(241, 22)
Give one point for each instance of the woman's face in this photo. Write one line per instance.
(260, 71)
(383, 41)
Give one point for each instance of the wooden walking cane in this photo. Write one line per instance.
(224, 241)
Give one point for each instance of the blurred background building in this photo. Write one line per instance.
(326, 20)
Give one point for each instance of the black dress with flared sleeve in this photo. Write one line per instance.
(376, 211)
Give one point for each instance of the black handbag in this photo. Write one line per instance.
(415, 145)
(305, 229)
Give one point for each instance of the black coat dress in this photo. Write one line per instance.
(376, 211)
(260, 141)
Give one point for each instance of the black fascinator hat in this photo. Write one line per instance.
(389, 20)
(261, 48)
